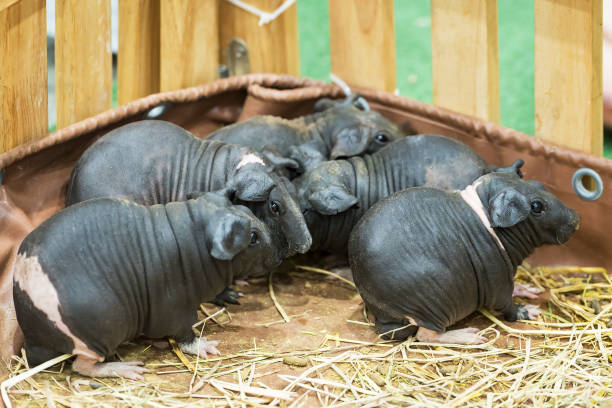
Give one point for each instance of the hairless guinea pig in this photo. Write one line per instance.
(334, 195)
(156, 162)
(335, 130)
(424, 258)
(107, 270)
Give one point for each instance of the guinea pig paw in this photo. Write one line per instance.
(469, 335)
(132, 370)
(241, 282)
(526, 290)
(533, 311)
(200, 347)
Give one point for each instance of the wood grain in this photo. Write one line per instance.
(272, 47)
(362, 42)
(189, 43)
(464, 56)
(83, 59)
(568, 73)
(23, 74)
(4, 4)
(138, 59)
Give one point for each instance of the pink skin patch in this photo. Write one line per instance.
(127, 369)
(526, 291)
(470, 196)
(249, 159)
(533, 311)
(468, 335)
(200, 347)
(28, 273)
(241, 282)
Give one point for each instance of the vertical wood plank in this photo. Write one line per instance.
(189, 42)
(464, 57)
(568, 73)
(83, 59)
(273, 47)
(138, 59)
(362, 42)
(23, 73)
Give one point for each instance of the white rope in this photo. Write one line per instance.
(264, 17)
(336, 80)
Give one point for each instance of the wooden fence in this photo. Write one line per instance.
(171, 44)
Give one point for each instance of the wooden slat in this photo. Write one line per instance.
(464, 56)
(23, 74)
(362, 42)
(138, 59)
(568, 76)
(4, 4)
(83, 59)
(272, 47)
(189, 43)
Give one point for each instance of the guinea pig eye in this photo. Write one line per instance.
(537, 207)
(381, 138)
(275, 207)
(254, 238)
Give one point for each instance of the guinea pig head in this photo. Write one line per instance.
(352, 131)
(273, 200)
(526, 212)
(261, 253)
(324, 189)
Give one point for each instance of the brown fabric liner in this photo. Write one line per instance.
(36, 174)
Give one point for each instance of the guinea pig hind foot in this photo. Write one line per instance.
(132, 370)
(200, 347)
(525, 290)
(468, 335)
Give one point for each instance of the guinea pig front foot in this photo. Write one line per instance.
(528, 312)
(526, 291)
(468, 335)
(132, 370)
(228, 295)
(200, 347)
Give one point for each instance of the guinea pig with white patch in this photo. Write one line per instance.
(106, 271)
(425, 258)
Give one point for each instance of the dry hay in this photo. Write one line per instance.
(560, 360)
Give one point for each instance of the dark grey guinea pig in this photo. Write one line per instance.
(105, 271)
(157, 162)
(334, 195)
(335, 130)
(424, 258)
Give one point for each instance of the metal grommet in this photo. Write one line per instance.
(581, 190)
(156, 111)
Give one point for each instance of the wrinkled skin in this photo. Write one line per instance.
(424, 256)
(334, 195)
(121, 270)
(156, 162)
(335, 130)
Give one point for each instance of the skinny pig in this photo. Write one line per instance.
(334, 195)
(105, 271)
(424, 258)
(335, 130)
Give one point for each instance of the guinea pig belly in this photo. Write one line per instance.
(37, 307)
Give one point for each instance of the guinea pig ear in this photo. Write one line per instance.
(508, 208)
(351, 141)
(252, 185)
(280, 162)
(230, 234)
(324, 104)
(332, 200)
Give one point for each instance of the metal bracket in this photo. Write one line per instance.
(237, 57)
